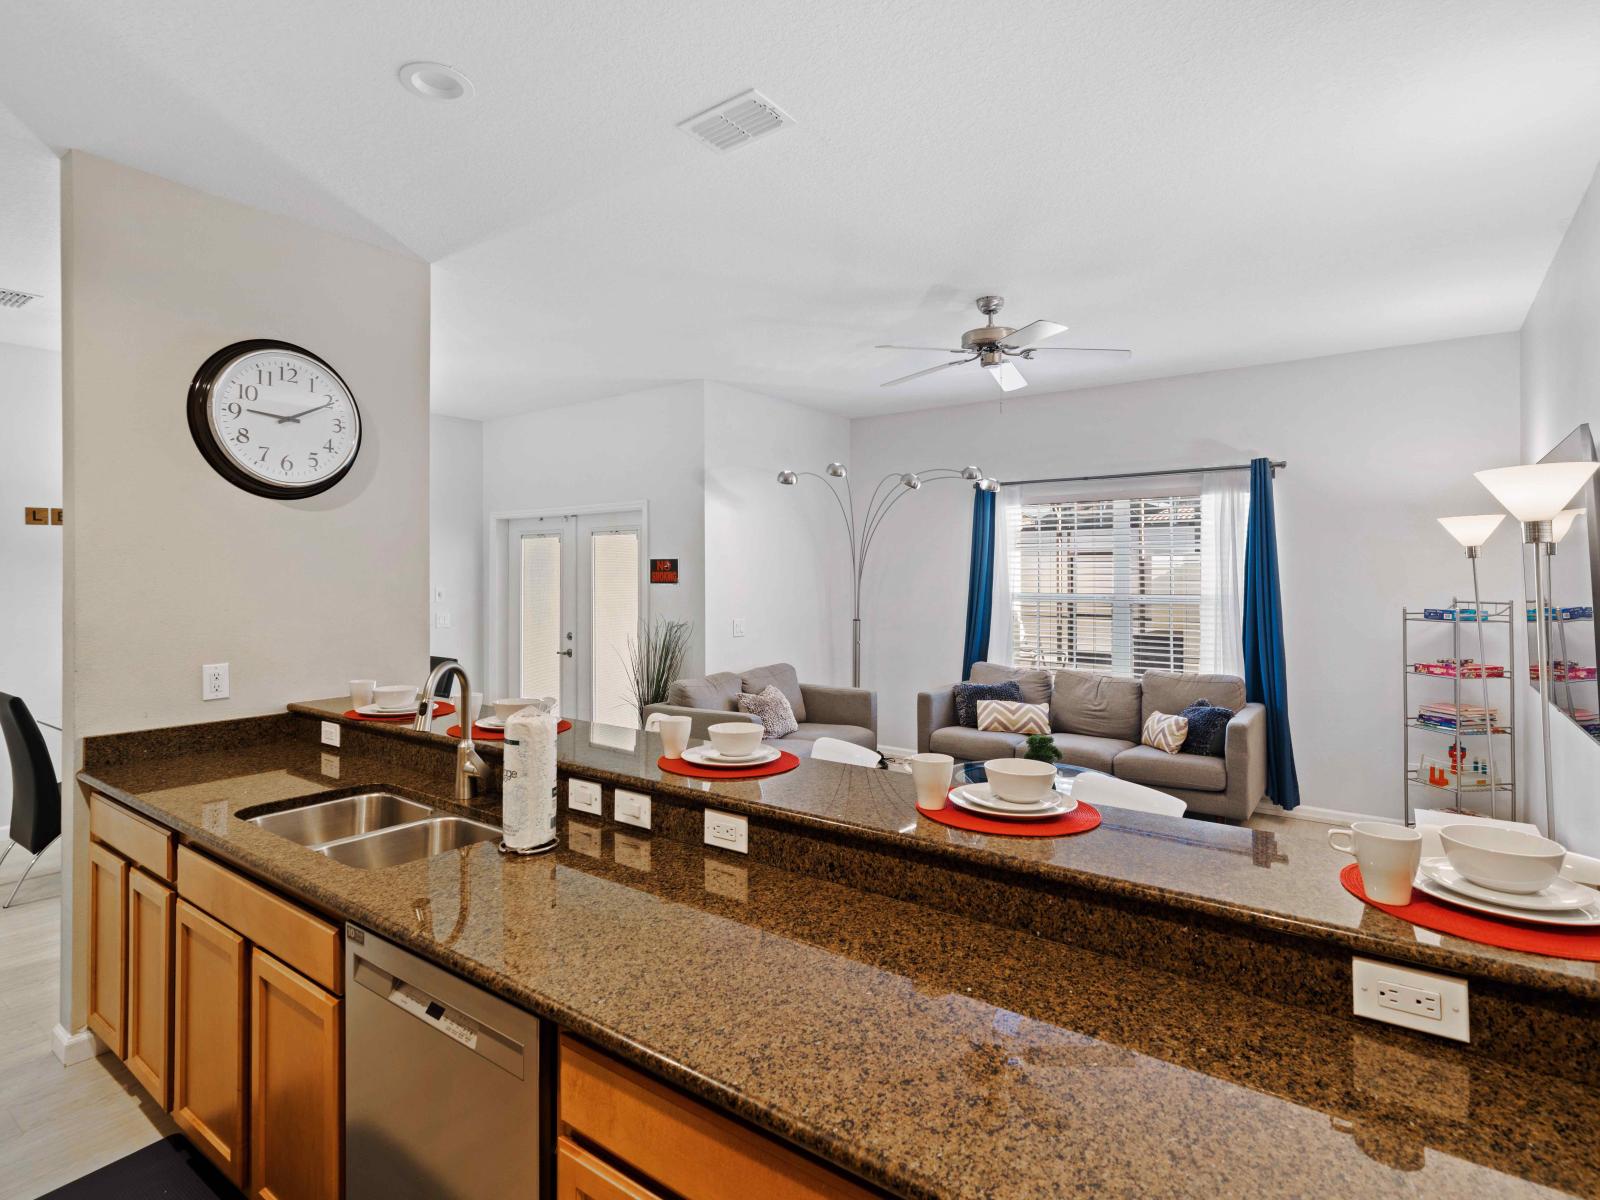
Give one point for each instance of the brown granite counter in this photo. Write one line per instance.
(935, 1055)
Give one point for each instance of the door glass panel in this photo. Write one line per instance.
(613, 622)
(541, 617)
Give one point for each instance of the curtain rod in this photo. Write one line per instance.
(1276, 467)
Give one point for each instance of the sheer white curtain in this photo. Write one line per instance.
(1224, 515)
(1002, 620)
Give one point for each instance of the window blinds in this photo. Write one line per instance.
(614, 622)
(1107, 584)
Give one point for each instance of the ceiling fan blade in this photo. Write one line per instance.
(1105, 355)
(935, 349)
(1007, 376)
(926, 371)
(1037, 332)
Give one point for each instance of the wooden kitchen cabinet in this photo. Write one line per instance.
(296, 1071)
(582, 1176)
(108, 948)
(150, 905)
(209, 1034)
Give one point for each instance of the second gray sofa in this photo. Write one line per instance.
(849, 714)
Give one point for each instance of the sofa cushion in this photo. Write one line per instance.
(714, 691)
(1098, 705)
(1162, 731)
(1096, 753)
(771, 708)
(974, 744)
(1208, 728)
(967, 696)
(781, 676)
(812, 730)
(1012, 716)
(1171, 692)
(1196, 772)
(1035, 683)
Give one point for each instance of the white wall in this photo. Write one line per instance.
(776, 558)
(1561, 390)
(1379, 444)
(30, 555)
(455, 541)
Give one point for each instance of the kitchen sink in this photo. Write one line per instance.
(406, 843)
(347, 816)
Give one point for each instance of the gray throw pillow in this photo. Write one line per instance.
(771, 708)
(967, 696)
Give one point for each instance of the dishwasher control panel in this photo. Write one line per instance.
(425, 1008)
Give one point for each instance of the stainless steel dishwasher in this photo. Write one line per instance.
(442, 1083)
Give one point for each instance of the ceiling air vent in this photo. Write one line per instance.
(737, 122)
(10, 299)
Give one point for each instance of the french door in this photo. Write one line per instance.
(577, 599)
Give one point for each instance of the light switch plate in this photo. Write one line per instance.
(631, 808)
(738, 627)
(1412, 999)
(330, 733)
(727, 832)
(584, 795)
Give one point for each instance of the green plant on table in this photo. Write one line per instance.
(1042, 746)
(654, 659)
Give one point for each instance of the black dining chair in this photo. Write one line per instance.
(35, 791)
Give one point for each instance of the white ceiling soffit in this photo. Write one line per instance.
(30, 238)
(1209, 185)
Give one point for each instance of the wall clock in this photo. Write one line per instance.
(274, 419)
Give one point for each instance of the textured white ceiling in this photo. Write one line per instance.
(1208, 184)
(30, 256)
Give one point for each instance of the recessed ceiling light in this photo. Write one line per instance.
(435, 81)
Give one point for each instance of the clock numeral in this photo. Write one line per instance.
(248, 392)
(311, 383)
(286, 463)
(234, 410)
(328, 446)
(287, 373)
(263, 457)
(313, 460)
(242, 437)
(338, 424)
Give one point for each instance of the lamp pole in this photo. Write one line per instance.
(885, 496)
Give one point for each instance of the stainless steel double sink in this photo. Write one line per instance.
(374, 829)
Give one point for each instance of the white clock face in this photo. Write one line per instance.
(283, 418)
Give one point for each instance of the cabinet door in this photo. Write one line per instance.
(210, 982)
(150, 905)
(108, 948)
(296, 1074)
(582, 1176)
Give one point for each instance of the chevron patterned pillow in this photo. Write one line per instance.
(1012, 716)
(1165, 732)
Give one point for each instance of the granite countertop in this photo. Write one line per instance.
(934, 1055)
(1286, 880)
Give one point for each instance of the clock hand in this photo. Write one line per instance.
(307, 412)
(275, 416)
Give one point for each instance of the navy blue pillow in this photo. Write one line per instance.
(1208, 729)
(968, 694)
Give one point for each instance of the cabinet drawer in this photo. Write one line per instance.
(680, 1143)
(290, 934)
(136, 838)
(582, 1176)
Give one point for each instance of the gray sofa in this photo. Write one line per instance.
(1095, 721)
(850, 714)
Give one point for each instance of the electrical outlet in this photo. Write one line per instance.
(330, 733)
(1413, 999)
(584, 795)
(631, 808)
(727, 832)
(214, 681)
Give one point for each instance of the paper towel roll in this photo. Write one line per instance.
(529, 777)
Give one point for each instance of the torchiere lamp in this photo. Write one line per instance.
(1472, 533)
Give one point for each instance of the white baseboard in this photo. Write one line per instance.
(74, 1048)
(896, 751)
(1328, 816)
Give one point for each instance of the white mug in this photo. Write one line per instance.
(931, 773)
(361, 692)
(1387, 855)
(474, 707)
(674, 733)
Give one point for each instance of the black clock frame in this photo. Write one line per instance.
(200, 390)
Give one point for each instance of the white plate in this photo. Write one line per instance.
(705, 756)
(491, 722)
(373, 710)
(1560, 896)
(1578, 918)
(978, 798)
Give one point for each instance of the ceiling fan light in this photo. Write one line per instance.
(1007, 376)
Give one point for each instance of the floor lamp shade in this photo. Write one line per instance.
(1539, 491)
(1472, 532)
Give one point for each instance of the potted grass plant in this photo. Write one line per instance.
(654, 659)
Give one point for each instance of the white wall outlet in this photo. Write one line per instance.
(214, 681)
(631, 808)
(630, 851)
(584, 795)
(727, 832)
(330, 733)
(1409, 998)
(738, 627)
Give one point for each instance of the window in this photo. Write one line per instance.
(1108, 584)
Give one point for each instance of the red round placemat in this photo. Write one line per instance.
(1080, 820)
(784, 762)
(481, 734)
(1424, 910)
(441, 709)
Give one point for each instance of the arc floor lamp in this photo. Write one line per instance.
(890, 489)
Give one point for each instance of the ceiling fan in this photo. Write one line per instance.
(992, 345)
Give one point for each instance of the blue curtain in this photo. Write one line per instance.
(1265, 672)
(980, 584)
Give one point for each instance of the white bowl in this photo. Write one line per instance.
(1020, 779)
(506, 709)
(1506, 860)
(736, 737)
(394, 695)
